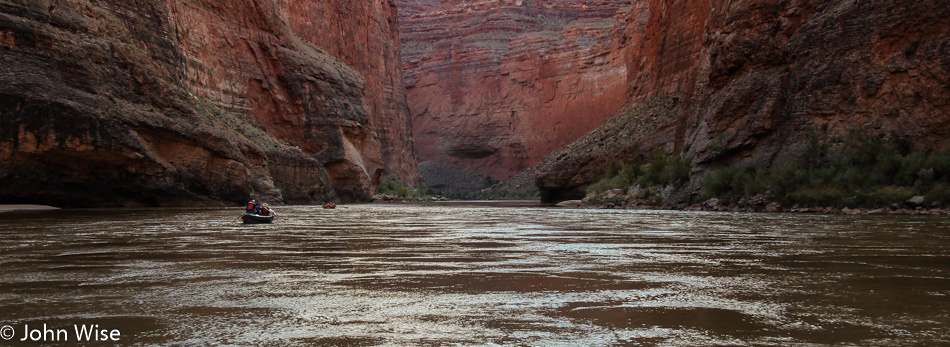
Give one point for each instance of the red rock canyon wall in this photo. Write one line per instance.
(493, 86)
(178, 102)
(751, 81)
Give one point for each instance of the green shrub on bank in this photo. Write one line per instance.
(864, 171)
(390, 186)
(658, 170)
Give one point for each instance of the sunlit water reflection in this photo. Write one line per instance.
(404, 274)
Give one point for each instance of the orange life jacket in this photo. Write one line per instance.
(250, 207)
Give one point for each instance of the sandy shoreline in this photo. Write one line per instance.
(10, 208)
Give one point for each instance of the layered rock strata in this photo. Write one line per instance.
(493, 86)
(753, 81)
(365, 35)
(155, 102)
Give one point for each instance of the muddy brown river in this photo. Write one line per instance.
(482, 275)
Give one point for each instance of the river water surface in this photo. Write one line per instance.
(454, 274)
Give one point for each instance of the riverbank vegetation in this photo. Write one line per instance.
(864, 170)
(391, 189)
(859, 170)
(643, 179)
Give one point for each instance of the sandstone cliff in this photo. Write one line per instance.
(155, 102)
(493, 86)
(365, 35)
(750, 81)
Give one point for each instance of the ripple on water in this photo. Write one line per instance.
(405, 274)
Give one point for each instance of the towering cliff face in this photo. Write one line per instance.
(240, 41)
(365, 35)
(157, 102)
(494, 86)
(751, 81)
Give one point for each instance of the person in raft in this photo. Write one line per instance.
(252, 207)
(255, 208)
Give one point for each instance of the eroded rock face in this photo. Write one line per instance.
(247, 57)
(751, 81)
(493, 86)
(365, 35)
(156, 102)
